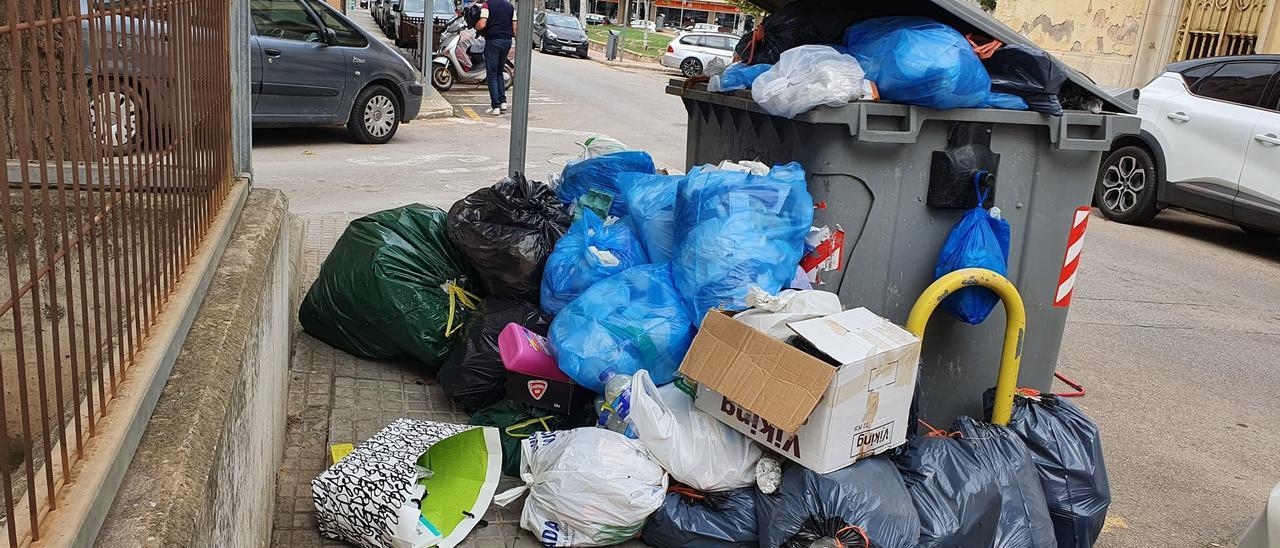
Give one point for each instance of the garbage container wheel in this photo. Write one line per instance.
(691, 67)
(1126, 187)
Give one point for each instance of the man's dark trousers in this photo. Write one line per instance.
(495, 56)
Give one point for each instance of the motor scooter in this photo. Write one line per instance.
(461, 59)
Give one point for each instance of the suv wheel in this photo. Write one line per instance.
(691, 67)
(1126, 188)
(375, 116)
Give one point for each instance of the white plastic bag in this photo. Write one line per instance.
(808, 76)
(698, 450)
(599, 146)
(770, 314)
(587, 487)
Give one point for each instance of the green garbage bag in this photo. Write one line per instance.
(392, 286)
(516, 421)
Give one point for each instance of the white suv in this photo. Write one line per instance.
(1210, 142)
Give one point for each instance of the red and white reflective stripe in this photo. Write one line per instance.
(1071, 261)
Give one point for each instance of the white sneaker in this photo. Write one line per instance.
(505, 107)
(494, 112)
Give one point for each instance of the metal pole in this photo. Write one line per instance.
(425, 37)
(520, 108)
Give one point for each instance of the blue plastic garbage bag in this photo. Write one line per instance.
(601, 174)
(737, 76)
(979, 240)
(589, 252)
(630, 321)
(955, 495)
(918, 61)
(651, 203)
(1007, 101)
(738, 230)
(865, 504)
(1024, 513)
(1067, 451)
(725, 519)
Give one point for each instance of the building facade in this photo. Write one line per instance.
(1127, 42)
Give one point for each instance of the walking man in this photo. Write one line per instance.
(498, 27)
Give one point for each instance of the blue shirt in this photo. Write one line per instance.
(501, 15)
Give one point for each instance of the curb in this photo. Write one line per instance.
(435, 111)
(652, 66)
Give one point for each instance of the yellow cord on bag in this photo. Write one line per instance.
(1015, 315)
(457, 295)
(546, 426)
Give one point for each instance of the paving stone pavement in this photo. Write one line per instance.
(335, 397)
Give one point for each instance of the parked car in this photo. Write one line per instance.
(389, 9)
(559, 33)
(691, 52)
(597, 19)
(313, 67)
(646, 25)
(1210, 142)
(406, 19)
(376, 9)
(705, 27)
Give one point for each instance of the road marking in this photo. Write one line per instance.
(424, 159)
(471, 113)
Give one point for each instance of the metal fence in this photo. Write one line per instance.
(116, 132)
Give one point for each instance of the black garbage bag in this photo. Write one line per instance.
(796, 24)
(866, 500)
(507, 231)
(1024, 513)
(473, 374)
(516, 421)
(691, 519)
(392, 286)
(1029, 73)
(1066, 448)
(955, 495)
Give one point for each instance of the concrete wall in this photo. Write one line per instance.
(1115, 42)
(204, 472)
(1099, 38)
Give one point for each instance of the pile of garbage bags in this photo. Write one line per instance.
(820, 52)
(605, 280)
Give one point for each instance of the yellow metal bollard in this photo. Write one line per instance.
(1015, 314)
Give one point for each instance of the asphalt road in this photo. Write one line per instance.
(1174, 328)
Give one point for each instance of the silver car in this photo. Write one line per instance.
(691, 52)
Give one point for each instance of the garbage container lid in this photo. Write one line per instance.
(968, 17)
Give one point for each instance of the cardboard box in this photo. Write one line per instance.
(822, 416)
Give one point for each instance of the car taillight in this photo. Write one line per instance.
(670, 49)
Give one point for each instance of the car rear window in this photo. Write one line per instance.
(1241, 83)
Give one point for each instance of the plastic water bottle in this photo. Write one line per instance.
(617, 398)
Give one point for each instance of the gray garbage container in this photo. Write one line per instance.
(873, 163)
(611, 48)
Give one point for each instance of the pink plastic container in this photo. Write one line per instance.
(524, 351)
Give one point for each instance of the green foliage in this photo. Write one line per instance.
(751, 9)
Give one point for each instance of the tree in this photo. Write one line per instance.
(746, 7)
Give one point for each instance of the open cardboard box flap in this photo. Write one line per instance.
(764, 375)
